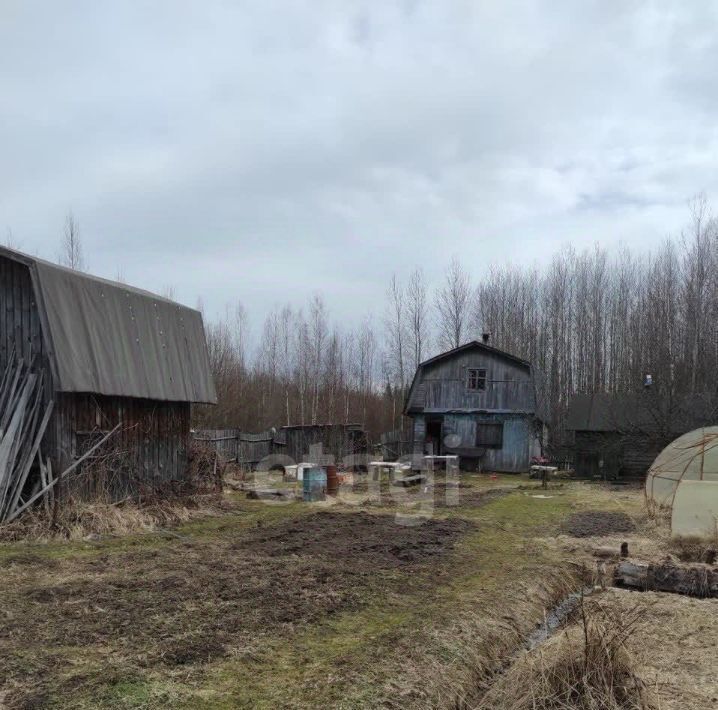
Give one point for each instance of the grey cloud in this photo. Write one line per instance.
(261, 151)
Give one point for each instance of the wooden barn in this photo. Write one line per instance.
(110, 355)
(479, 403)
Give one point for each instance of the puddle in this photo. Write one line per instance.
(555, 618)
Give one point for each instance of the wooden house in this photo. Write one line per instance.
(479, 403)
(111, 355)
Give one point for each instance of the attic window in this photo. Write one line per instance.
(476, 379)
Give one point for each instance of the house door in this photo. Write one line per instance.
(434, 430)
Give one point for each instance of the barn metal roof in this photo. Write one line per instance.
(108, 338)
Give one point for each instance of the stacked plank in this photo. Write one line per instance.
(24, 417)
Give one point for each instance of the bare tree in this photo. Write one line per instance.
(318, 331)
(72, 253)
(363, 366)
(395, 324)
(453, 306)
(10, 241)
(286, 356)
(417, 316)
(589, 321)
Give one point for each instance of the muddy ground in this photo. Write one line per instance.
(598, 523)
(304, 606)
(361, 538)
(194, 600)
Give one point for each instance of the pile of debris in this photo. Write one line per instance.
(24, 417)
(23, 420)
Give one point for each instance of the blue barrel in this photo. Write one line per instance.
(314, 484)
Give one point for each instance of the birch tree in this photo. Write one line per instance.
(72, 254)
(453, 305)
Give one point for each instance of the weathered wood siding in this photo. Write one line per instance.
(512, 457)
(443, 385)
(147, 452)
(623, 456)
(245, 448)
(21, 330)
(19, 316)
(224, 441)
(419, 434)
(336, 440)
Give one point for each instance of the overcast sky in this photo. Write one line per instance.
(260, 151)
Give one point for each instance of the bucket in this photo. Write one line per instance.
(332, 480)
(314, 484)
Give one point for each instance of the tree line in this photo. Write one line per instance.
(590, 321)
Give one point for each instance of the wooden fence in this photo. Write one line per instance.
(241, 447)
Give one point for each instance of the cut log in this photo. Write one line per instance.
(606, 553)
(696, 580)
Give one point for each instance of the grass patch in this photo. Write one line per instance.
(282, 605)
(587, 667)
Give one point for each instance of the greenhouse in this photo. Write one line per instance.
(691, 457)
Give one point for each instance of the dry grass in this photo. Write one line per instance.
(661, 514)
(694, 548)
(267, 608)
(76, 520)
(482, 639)
(95, 511)
(587, 667)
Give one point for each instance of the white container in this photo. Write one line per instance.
(302, 467)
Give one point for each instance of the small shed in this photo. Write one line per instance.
(618, 435)
(477, 402)
(340, 441)
(111, 355)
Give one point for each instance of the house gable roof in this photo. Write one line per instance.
(108, 338)
(475, 345)
(471, 345)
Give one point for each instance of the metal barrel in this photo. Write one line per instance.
(314, 485)
(332, 480)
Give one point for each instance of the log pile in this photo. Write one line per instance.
(23, 419)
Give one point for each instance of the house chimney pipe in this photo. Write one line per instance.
(485, 337)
